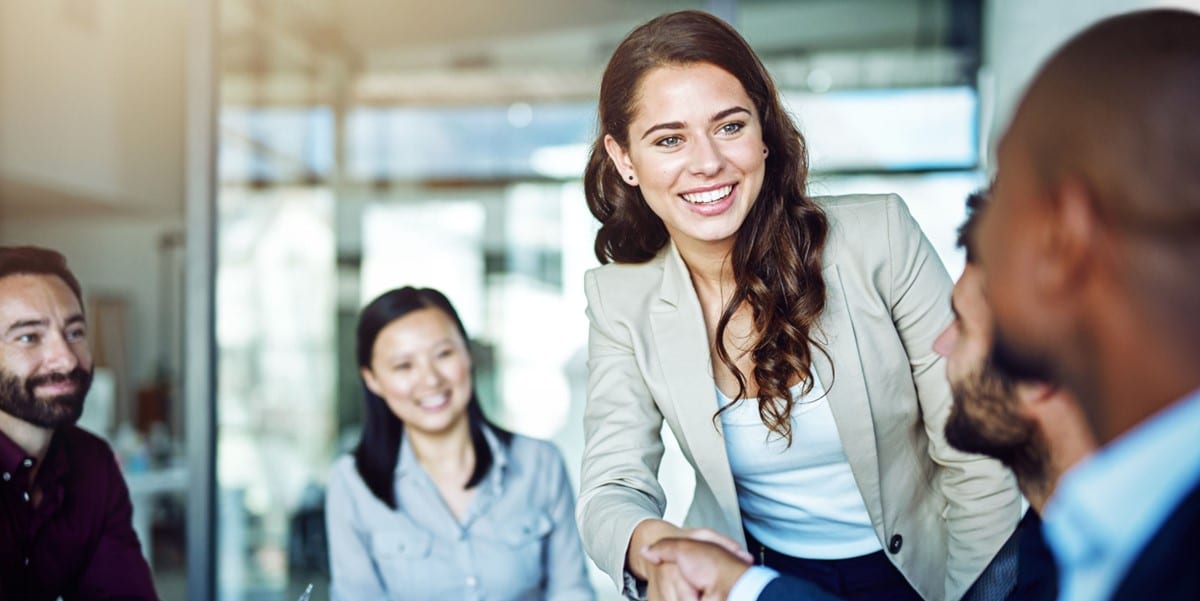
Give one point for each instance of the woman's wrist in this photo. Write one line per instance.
(646, 533)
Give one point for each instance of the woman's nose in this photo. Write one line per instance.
(430, 375)
(706, 157)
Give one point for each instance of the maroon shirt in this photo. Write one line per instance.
(78, 542)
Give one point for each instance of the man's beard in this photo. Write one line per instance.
(1015, 364)
(984, 419)
(19, 399)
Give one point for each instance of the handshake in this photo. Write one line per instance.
(702, 565)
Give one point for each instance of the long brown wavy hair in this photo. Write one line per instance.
(776, 257)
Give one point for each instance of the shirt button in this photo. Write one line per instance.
(26, 561)
(471, 581)
(25, 495)
(27, 463)
(895, 544)
(7, 476)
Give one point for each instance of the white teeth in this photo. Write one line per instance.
(434, 401)
(709, 196)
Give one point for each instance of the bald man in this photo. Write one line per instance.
(1091, 248)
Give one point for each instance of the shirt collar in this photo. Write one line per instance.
(15, 464)
(11, 455)
(14, 459)
(1106, 508)
(499, 460)
(408, 459)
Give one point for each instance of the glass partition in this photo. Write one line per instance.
(352, 162)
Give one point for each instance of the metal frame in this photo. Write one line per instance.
(199, 373)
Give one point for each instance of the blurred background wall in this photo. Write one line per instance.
(366, 144)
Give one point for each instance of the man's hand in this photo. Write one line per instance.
(649, 532)
(708, 568)
(665, 582)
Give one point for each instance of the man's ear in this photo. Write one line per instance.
(1034, 392)
(1073, 235)
(620, 158)
(1032, 398)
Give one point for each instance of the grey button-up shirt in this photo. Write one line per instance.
(518, 540)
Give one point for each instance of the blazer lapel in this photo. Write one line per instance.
(682, 344)
(847, 392)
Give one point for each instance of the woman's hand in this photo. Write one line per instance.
(711, 571)
(666, 583)
(664, 580)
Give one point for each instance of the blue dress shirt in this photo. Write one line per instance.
(517, 541)
(1107, 508)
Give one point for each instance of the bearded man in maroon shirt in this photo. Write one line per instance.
(65, 514)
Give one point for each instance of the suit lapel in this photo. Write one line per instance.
(847, 391)
(682, 345)
(683, 355)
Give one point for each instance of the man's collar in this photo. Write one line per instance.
(1113, 501)
(15, 461)
(31, 439)
(12, 457)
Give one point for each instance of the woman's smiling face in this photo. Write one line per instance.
(695, 149)
(421, 367)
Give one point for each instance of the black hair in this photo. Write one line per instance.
(378, 450)
(967, 231)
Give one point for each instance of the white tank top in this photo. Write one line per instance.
(801, 501)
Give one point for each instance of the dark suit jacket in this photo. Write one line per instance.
(787, 588)
(1168, 568)
(1037, 574)
(1023, 570)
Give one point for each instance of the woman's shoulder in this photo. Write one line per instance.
(538, 460)
(529, 449)
(865, 223)
(345, 474)
(346, 490)
(621, 289)
(344, 462)
(860, 207)
(631, 273)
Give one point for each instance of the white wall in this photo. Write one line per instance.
(91, 104)
(1020, 34)
(91, 151)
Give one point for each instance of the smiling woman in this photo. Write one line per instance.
(786, 340)
(437, 502)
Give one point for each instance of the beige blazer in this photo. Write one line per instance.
(940, 514)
